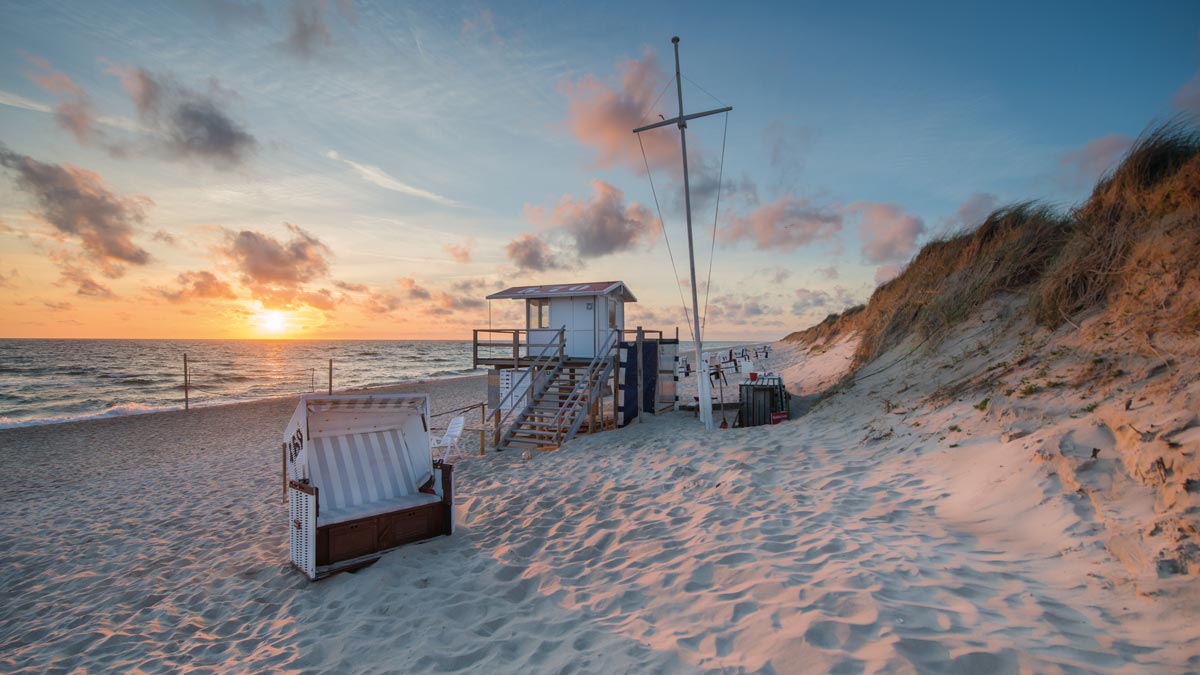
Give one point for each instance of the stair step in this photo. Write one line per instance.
(532, 434)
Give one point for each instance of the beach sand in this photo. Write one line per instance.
(855, 539)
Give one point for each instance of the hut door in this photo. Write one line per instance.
(581, 332)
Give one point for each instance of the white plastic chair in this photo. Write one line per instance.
(452, 439)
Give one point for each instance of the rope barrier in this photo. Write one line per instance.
(463, 409)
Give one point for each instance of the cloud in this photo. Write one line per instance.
(7, 98)
(351, 288)
(603, 116)
(741, 309)
(321, 298)
(460, 252)
(165, 237)
(418, 299)
(74, 111)
(818, 301)
(78, 205)
(971, 212)
(604, 224)
(1083, 166)
(379, 177)
(530, 254)
(885, 273)
(887, 233)
(57, 306)
(1187, 98)
(830, 272)
(9, 280)
(445, 301)
(263, 259)
(84, 284)
(476, 285)
(198, 285)
(276, 271)
(785, 224)
(382, 302)
(410, 289)
(186, 123)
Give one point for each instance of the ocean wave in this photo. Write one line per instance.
(121, 410)
(135, 380)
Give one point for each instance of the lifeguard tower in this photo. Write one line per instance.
(551, 376)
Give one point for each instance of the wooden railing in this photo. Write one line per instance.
(648, 332)
(585, 390)
(549, 358)
(512, 341)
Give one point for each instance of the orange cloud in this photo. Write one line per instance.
(460, 252)
(887, 233)
(74, 111)
(198, 285)
(78, 205)
(604, 224)
(785, 224)
(276, 271)
(603, 116)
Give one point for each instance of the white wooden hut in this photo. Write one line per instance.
(588, 314)
(551, 376)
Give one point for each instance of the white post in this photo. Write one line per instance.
(702, 382)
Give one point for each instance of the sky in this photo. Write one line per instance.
(372, 170)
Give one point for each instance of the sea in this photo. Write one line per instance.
(47, 381)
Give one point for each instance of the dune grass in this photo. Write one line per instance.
(1134, 243)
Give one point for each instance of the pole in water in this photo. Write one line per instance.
(331, 377)
(186, 402)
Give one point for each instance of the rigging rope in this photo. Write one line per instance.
(646, 113)
(674, 270)
(716, 213)
(705, 90)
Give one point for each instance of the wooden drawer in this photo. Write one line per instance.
(405, 526)
(351, 540)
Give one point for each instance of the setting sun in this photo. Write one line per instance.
(271, 321)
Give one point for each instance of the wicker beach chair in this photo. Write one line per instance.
(452, 439)
(361, 480)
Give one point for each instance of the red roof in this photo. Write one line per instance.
(565, 290)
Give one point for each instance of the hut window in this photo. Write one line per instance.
(612, 314)
(539, 313)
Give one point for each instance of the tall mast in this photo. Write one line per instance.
(702, 374)
(702, 382)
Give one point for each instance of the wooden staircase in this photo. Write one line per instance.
(558, 408)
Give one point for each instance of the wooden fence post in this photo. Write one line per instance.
(496, 431)
(640, 384)
(482, 424)
(331, 377)
(186, 383)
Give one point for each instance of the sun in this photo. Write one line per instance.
(271, 321)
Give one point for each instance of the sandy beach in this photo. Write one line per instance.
(850, 540)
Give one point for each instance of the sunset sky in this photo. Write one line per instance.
(367, 169)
